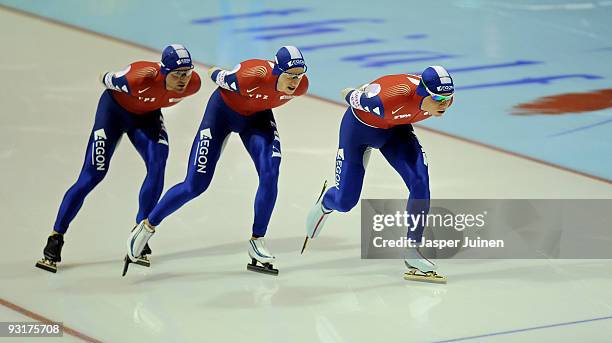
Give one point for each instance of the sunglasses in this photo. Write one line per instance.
(437, 97)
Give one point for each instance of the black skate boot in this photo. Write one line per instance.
(143, 260)
(52, 253)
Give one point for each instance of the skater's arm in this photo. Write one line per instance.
(346, 92)
(135, 75)
(118, 84)
(226, 79)
(365, 98)
(116, 81)
(213, 72)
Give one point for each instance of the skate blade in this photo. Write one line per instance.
(126, 264)
(319, 198)
(431, 277)
(304, 245)
(145, 262)
(322, 191)
(262, 269)
(47, 265)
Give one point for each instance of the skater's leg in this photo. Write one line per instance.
(262, 142)
(405, 154)
(205, 152)
(349, 174)
(344, 194)
(151, 142)
(351, 160)
(407, 157)
(103, 139)
(101, 145)
(150, 139)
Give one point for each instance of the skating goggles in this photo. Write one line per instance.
(179, 74)
(437, 97)
(294, 76)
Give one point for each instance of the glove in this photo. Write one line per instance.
(345, 92)
(211, 70)
(101, 78)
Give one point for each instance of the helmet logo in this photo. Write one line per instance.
(291, 63)
(445, 88)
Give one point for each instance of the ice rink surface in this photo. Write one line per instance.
(198, 289)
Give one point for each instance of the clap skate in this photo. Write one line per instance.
(52, 253)
(261, 258)
(143, 259)
(316, 218)
(420, 268)
(136, 243)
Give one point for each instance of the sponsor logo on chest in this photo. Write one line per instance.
(403, 116)
(258, 96)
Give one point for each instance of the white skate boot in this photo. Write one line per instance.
(316, 218)
(420, 268)
(259, 254)
(136, 242)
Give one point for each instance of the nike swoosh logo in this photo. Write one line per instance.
(143, 90)
(393, 112)
(252, 89)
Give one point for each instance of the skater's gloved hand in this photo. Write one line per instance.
(345, 91)
(101, 77)
(211, 70)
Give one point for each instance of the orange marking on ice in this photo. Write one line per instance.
(567, 103)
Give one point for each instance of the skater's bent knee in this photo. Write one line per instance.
(420, 185)
(90, 180)
(195, 188)
(157, 167)
(269, 176)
